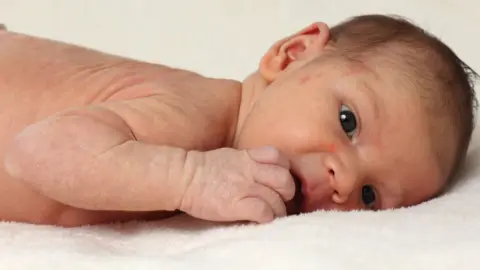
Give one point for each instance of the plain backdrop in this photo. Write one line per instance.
(222, 38)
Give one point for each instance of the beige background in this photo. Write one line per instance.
(222, 37)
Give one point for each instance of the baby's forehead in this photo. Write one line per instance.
(394, 76)
(418, 112)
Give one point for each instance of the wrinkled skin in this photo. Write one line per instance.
(234, 185)
(96, 123)
(86, 92)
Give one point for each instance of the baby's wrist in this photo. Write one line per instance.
(189, 171)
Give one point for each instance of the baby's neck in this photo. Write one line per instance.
(232, 94)
(245, 94)
(252, 87)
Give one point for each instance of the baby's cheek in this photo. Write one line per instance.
(304, 79)
(330, 147)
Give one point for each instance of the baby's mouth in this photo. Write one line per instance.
(298, 198)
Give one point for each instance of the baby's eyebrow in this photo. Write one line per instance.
(373, 97)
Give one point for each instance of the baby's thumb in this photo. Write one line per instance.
(269, 155)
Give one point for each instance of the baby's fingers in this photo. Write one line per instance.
(276, 178)
(269, 155)
(262, 205)
(255, 210)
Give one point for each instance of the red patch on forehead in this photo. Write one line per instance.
(354, 70)
(305, 79)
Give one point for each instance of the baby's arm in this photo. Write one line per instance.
(89, 158)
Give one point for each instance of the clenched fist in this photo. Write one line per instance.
(238, 185)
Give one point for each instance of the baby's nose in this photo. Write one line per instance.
(328, 179)
(343, 177)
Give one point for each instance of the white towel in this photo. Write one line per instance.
(226, 39)
(440, 234)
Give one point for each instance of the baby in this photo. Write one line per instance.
(373, 113)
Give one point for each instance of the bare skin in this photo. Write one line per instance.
(81, 77)
(90, 138)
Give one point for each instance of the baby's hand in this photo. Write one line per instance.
(239, 185)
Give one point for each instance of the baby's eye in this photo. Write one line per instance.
(368, 196)
(348, 121)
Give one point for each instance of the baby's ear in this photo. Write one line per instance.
(303, 45)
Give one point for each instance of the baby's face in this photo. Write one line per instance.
(356, 140)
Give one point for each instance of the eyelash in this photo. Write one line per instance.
(357, 117)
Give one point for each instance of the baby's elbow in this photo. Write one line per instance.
(12, 162)
(29, 156)
(21, 156)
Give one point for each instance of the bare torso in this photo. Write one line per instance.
(42, 85)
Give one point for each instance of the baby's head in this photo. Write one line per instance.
(375, 113)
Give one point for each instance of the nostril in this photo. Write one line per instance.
(331, 178)
(336, 198)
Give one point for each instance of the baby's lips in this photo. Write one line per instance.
(316, 190)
